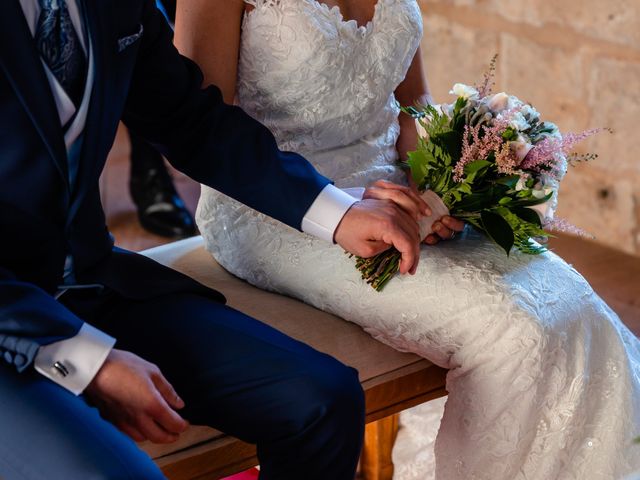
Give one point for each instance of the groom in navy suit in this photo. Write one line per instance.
(70, 401)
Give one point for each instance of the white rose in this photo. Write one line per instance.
(464, 91)
(498, 102)
(521, 148)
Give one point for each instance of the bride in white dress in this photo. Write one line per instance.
(543, 378)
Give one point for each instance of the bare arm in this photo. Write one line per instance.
(414, 89)
(208, 32)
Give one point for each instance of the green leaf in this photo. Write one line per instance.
(417, 162)
(474, 202)
(498, 230)
(510, 134)
(451, 142)
(529, 202)
(458, 120)
(461, 102)
(528, 215)
(505, 200)
(511, 181)
(465, 188)
(476, 166)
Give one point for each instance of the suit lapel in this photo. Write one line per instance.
(22, 65)
(97, 133)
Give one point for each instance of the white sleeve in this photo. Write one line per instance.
(72, 363)
(327, 210)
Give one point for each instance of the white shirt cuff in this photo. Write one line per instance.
(72, 363)
(326, 212)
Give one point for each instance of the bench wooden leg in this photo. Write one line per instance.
(379, 438)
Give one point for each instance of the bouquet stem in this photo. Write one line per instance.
(378, 270)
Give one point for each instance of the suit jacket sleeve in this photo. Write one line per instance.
(214, 143)
(29, 318)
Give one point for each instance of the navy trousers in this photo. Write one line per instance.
(303, 409)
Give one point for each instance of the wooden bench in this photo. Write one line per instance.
(392, 381)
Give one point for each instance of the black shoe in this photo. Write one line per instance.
(160, 208)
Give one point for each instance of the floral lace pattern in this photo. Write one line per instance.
(543, 378)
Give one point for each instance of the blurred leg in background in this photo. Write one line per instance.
(160, 208)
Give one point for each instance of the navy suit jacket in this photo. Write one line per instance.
(158, 94)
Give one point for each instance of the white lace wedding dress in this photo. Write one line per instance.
(543, 378)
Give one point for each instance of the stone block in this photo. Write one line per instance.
(603, 205)
(550, 78)
(453, 53)
(614, 100)
(617, 21)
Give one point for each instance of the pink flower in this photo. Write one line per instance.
(561, 225)
(547, 155)
(480, 141)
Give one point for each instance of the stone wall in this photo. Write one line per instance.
(578, 63)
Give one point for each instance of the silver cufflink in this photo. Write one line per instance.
(62, 370)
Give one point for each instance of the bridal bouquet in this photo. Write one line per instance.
(491, 161)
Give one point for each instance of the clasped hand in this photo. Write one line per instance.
(388, 216)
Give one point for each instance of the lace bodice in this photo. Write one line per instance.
(324, 86)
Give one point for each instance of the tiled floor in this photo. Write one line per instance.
(614, 275)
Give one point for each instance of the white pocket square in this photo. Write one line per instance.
(129, 40)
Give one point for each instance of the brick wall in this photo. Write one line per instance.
(578, 63)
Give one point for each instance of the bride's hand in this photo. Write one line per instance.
(405, 197)
(445, 229)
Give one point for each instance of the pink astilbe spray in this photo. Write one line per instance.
(563, 226)
(484, 89)
(544, 155)
(480, 141)
(506, 160)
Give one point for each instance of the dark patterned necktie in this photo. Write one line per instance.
(59, 45)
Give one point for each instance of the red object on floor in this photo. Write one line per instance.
(248, 475)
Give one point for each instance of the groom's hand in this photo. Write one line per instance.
(371, 226)
(133, 395)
